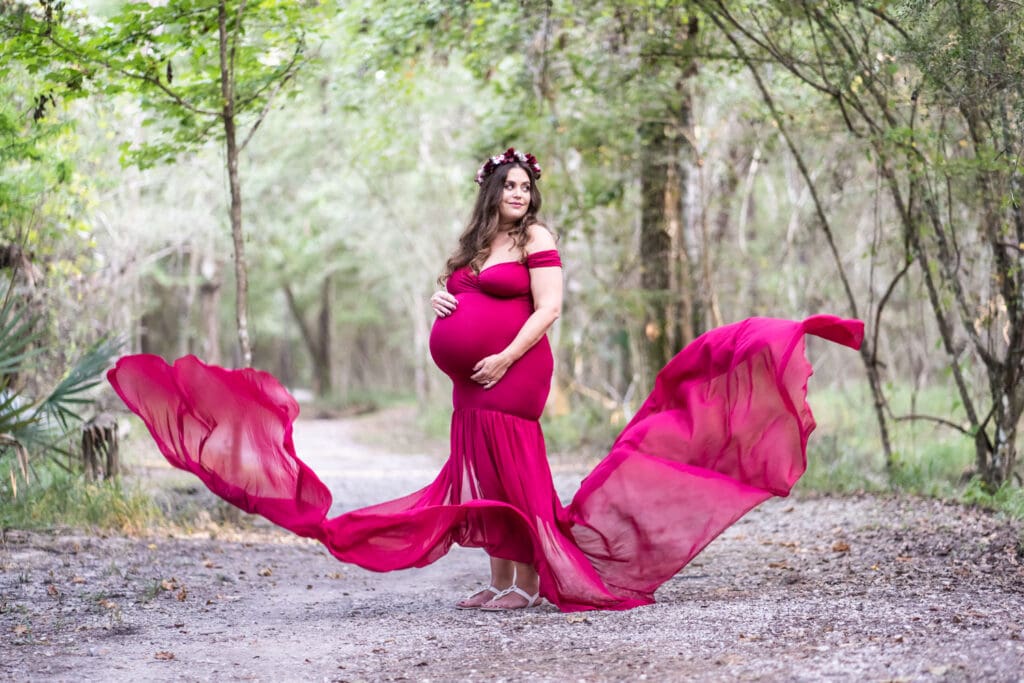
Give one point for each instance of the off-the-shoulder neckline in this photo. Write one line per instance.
(521, 263)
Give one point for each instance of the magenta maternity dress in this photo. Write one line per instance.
(725, 428)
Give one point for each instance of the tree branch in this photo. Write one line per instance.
(881, 14)
(146, 78)
(290, 71)
(881, 306)
(938, 420)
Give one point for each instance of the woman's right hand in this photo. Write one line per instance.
(443, 303)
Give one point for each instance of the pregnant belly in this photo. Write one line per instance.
(480, 326)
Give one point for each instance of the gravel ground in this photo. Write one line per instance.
(855, 588)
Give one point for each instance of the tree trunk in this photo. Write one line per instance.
(655, 246)
(227, 88)
(186, 335)
(420, 317)
(682, 304)
(1000, 456)
(322, 361)
(667, 274)
(209, 296)
(317, 342)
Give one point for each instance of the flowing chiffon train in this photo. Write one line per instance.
(724, 428)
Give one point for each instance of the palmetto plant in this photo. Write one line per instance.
(38, 426)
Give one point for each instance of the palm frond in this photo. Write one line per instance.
(60, 404)
(15, 412)
(16, 338)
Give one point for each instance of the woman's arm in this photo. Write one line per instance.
(546, 288)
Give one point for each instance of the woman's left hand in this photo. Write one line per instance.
(490, 369)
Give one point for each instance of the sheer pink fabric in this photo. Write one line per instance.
(725, 428)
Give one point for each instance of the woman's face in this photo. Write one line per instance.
(515, 198)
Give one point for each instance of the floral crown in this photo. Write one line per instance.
(510, 156)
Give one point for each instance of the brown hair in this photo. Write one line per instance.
(475, 241)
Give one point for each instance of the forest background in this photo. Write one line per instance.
(282, 182)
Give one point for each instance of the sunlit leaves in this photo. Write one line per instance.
(169, 55)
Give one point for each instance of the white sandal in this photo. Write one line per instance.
(497, 594)
(531, 600)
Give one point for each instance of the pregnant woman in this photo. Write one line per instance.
(504, 290)
(724, 428)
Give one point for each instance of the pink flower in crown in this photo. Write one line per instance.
(510, 156)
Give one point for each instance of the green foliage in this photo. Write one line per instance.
(39, 193)
(845, 452)
(931, 460)
(434, 419)
(583, 431)
(169, 56)
(935, 469)
(835, 465)
(1008, 498)
(57, 498)
(37, 425)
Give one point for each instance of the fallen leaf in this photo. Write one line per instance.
(78, 579)
(210, 565)
(164, 655)
(52, 590)
(778, 565)
(182, 594)
(336, 575)
(169, 585)
(106, 604)
(938, 670)
(20, 630)
(577, 619)
(151, 546)
(841, 547)
(266, 571)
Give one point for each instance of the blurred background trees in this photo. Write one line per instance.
(703, 162)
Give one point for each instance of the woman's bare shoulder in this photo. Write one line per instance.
(540, 238)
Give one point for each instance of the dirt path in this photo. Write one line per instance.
(851, 589)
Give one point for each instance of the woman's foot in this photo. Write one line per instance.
(513, 597)
(479, 599)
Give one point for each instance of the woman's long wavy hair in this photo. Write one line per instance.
(475, 241)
